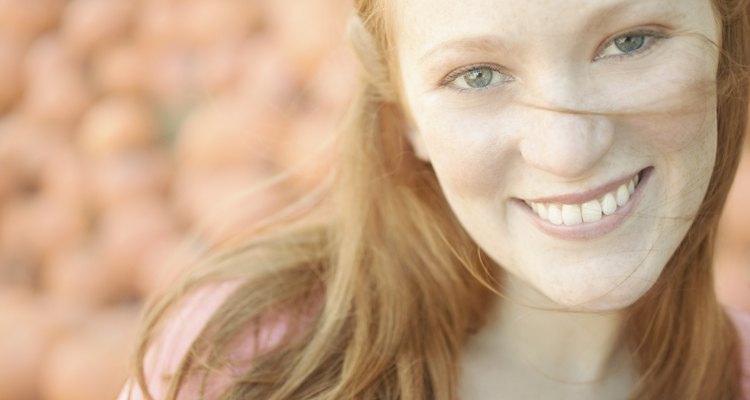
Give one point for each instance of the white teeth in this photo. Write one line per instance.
(555, 214)
(609, 204)
(571, 214)
(541, 209)
(622, 195)
(590, 211)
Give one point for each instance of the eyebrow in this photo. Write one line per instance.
(484, 43)
(488, 43)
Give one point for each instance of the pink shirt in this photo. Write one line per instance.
(184, 327)
(742, 321)
(172, 344)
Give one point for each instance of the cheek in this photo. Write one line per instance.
(471, 153)
(667, 103)
(676, 130)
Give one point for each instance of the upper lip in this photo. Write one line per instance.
(582, 197)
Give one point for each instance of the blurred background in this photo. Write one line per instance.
(134, 134)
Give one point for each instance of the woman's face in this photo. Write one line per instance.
(573, 139)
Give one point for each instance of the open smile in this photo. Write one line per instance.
(590, 214)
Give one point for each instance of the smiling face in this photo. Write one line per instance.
(574, 140)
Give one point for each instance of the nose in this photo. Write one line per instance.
(566, 144)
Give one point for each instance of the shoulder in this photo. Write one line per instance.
(741, 320)
(178, 333)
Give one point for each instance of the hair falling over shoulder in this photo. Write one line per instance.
(396, 285)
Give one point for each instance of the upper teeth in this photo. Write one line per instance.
(590, 211)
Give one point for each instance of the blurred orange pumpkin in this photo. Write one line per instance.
(78, 278)
(56, 90)
(88, 26)
(222, 205)
(128, 178)
(129, 233)
(26, 335)
(207, 23)
(90, 363)
(117, 125)
(120, 69)
(25, 20)
(223, 134)
(11, 73)
(732, 256)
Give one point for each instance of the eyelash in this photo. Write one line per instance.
(450, 78)
(652, 37)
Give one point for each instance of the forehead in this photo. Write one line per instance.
(422, 22)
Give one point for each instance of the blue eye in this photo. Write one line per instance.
(478, 77)
(475, 77)
(629, 44)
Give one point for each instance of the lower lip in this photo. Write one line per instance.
(591, 230)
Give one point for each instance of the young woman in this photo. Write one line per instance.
(525, 207)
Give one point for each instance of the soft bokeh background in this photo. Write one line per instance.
(732, 260)
(133, 135)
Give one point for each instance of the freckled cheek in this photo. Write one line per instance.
(673, 132)
(672, 110)
(470, 158)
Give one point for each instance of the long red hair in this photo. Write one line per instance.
(379, 268)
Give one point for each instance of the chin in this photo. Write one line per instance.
(592, 296)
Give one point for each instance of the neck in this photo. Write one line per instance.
(532, 335)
